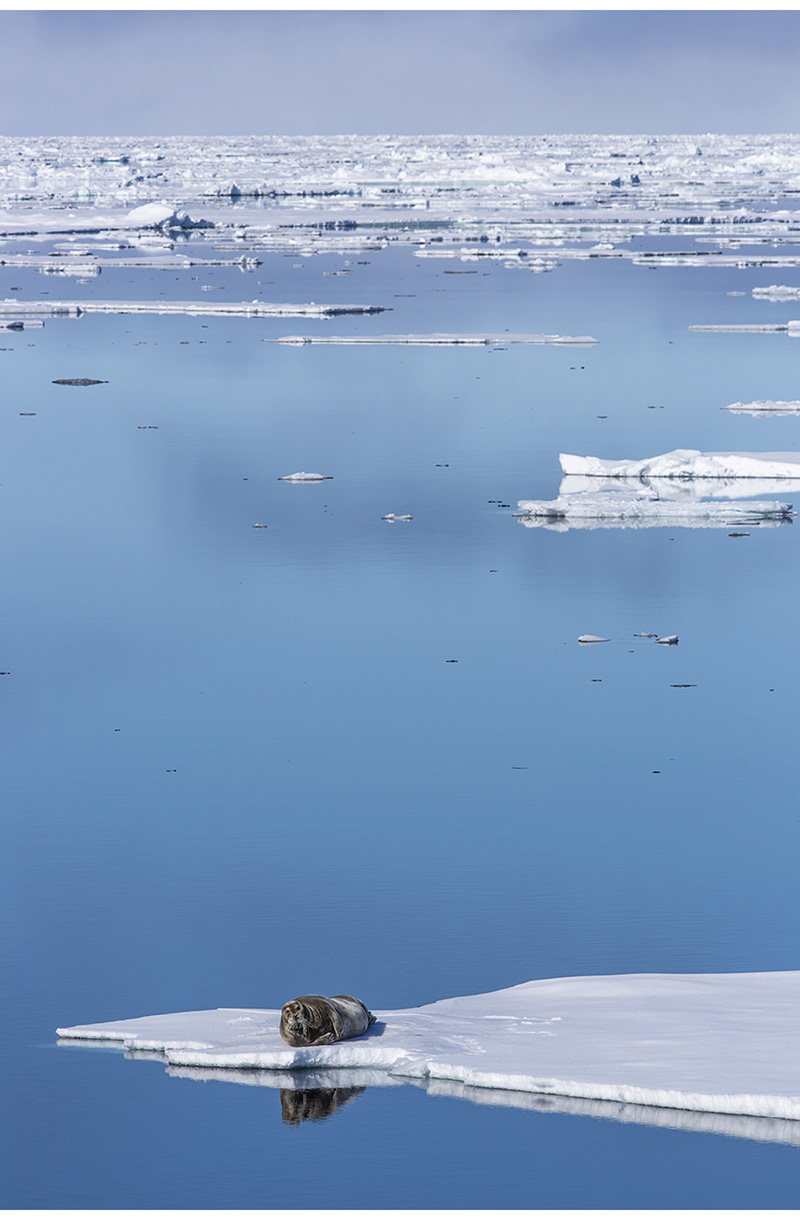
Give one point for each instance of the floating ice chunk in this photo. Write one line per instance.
(162, 216)
(765, 407)
(592, 639)
(302, 477)
(435, 340)
(667, 639)
(245, 309)
(688, 464)
(396, 517)
(767, 328)
(777, 292)
(724, 1043)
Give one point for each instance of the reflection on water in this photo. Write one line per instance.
(316, 1094)
(313, 1105)
(691, 491)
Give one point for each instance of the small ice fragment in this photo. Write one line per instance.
(397, 517)
(592, 639)
(301, 476)
(668, 639)
(260, 527)
(644, 635)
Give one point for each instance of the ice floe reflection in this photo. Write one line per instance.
(314, 1095)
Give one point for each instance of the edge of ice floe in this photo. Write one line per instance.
(247, 309)
(397, 1063)
(687, 464)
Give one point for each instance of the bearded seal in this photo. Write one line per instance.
(316, 1020)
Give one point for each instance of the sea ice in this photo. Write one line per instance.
(301, 476)
(767, 328)
(716, 1043)
(244, 309)
(764, 407)
(688, 464)
(434, 340)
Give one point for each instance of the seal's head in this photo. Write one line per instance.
(307, 1021)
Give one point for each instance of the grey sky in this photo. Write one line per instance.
(323, 72)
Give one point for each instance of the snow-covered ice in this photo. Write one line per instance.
(717, 1043)
(688, 464)
(302, 476)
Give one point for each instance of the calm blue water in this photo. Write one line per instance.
(239, 766)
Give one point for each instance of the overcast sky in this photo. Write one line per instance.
(326, 72)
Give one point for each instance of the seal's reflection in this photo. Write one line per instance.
(314, 1105)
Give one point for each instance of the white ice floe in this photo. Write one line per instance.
(777, 292)
(162, 216)
(301, 476)
(688, 464)
(667, 639)
(397, 517)
(766, 328)
(434, 340)
(645, 508)
(714, 1043)
(593, 639)
(764, 407)
(243, 309)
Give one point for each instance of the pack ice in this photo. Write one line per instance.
(717, 1043)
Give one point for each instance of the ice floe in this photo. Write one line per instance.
(437, 340)
(301, 476)
(714, 1043)
(766, 328)
(688, 464)
(764, 406)
(162, 216)
(777, 292)
(243, 309)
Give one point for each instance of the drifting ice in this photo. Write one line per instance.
(688, 464)
(301, 476)
(718, 1043)
(763, 406)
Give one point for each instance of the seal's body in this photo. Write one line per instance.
(316, 1020)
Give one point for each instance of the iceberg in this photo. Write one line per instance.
(688, 464)
(724, 1044)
